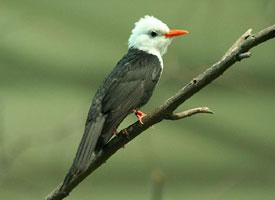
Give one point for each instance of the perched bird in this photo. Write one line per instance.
(128, 87)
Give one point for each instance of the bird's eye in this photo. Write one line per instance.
(153, 34)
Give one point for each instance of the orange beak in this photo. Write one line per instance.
(175, 32)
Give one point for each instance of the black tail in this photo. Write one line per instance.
(86, 149)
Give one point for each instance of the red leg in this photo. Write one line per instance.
(139, 115)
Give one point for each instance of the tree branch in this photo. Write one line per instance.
(237, 52)
(188, 113)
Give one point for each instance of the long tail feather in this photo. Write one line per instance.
(85, 152)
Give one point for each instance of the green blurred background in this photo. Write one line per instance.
(54, 55)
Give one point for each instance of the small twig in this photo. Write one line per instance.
(188, 113)
(243, 55)
(246, 42)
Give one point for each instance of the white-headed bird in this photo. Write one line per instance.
(127, 88)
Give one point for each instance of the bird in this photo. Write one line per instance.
(126, 89)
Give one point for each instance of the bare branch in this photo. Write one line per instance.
(188, 113)
(237, 44)
(236, 53)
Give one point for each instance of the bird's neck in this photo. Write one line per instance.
(152, 52)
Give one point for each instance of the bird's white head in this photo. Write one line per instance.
(152, 35)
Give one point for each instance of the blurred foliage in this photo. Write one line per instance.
(54, 55)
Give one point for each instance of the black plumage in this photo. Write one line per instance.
(129, 86)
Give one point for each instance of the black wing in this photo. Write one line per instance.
(130, 86)
(133, 80)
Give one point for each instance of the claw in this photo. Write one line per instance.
(125, 132)
(139, 115)
(115, 132)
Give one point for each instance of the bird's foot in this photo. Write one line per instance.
(125, 132)
(139, 115)
(115, 132)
